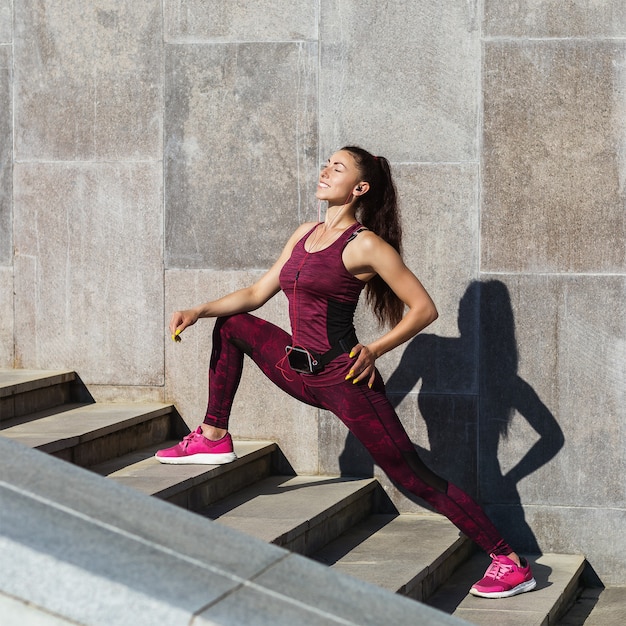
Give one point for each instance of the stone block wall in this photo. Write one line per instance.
(155, 154)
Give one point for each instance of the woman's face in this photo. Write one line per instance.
(338, 179)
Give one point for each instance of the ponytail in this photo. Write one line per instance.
(378, 210)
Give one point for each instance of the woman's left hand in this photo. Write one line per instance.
(363, 368)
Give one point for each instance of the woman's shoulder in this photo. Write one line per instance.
(303, 230)
(368, 246)
(307, 226)
(366, 239)
(299, 233)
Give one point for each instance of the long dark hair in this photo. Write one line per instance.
(378, 210)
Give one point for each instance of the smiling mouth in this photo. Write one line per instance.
(324, 185)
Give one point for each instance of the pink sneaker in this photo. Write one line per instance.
(504, 578)
(196, 448)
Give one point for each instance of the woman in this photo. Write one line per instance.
(322, 270)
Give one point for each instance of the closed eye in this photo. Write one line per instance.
(337, 164)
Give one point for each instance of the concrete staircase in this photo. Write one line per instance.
(337, 521)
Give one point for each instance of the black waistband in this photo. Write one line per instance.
(345, 344)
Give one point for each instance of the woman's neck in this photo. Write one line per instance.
(339, 217)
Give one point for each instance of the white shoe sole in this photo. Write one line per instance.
(529, 585)
(198, 459)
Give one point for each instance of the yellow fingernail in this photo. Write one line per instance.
(369, 385)
(348, 376)
(178, 331)
(355, 381)
(351, 355)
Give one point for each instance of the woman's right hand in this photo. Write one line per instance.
(181, 320)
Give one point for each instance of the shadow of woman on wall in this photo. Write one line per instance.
(470, 392)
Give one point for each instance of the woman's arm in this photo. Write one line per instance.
(372, 255)
(242, 300)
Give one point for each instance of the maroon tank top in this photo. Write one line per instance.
(323, 297)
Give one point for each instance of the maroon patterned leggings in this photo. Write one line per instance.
(366, 412)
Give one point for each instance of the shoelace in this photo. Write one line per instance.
(497, 570)
(188, 439)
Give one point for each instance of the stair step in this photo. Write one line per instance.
(28, 391)
(78, 549)
(299, 513)
(557, 579)
(93, 433)
(332, 519)
(410, 554)
(600, 606)
(190, 486)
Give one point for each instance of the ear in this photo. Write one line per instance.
(361, 188)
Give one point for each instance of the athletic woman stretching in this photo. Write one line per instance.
(322, 270)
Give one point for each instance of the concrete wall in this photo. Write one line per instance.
(155, 154)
